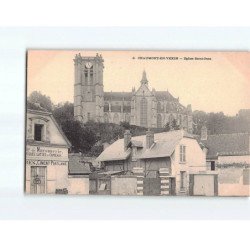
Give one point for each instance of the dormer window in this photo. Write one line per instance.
(38, 132)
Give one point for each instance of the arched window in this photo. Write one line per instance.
(116, 118)
(106, 107)
(127, 118)
(144, 112)
(158, 107)
(180, 120)
(159, 121)
(171, 118)
(106, 118)
(185, 122)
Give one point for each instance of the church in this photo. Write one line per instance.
(142, 107)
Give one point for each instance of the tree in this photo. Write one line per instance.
(44, 101)
(64, 112)
(82, 138)
(172, 125)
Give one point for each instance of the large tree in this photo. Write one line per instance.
(44, 101)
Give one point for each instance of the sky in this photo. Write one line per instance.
(221, 84)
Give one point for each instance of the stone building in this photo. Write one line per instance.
(142, 107)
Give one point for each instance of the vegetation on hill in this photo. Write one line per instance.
(88, 138)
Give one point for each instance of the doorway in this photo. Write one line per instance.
(38, 180)
(172, 186)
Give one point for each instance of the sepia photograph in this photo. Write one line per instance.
(140, 123)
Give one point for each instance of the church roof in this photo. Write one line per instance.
(164, 95)
(117, 96)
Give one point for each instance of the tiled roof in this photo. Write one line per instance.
(77, 165)
(117, 96)
(164, 95)
(163, 147)
(227, 144)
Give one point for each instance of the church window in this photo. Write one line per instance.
(159, 121)
(143, 113)
(158, 107)
(180, 120)
(127, 118)
(106, 107)
(116, 119)
(171, 118)
(106, 118)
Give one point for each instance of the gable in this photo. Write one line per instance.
(53, 133)
(143, 91)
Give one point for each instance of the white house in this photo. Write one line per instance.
(175, 154)
(47, 159)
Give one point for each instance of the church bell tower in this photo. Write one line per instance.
(88, 88)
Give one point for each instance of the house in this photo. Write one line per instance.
(171, 155)
(224, 149)
(46, 169)
(229, 156)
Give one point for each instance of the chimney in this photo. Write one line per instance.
(149, 139)
(127, 139)
(204, 133)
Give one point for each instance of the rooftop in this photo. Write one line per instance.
(227, 144)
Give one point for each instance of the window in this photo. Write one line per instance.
(143, 113)
(159, 107)
(106, 118)
(159, 121)
(212, 165)
(88, 116)
(182, 153)
(38, 132)
(182, 181)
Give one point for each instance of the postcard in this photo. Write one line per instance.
(141, 123)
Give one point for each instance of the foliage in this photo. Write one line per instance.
(43, 100)
(218, 123)
(172, 125)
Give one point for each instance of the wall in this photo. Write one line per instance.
(155, 164)
(231, 182)
(195, 161)
(234, 159)
(78, 185)
(124, 185)
(56, 176)
(52, 133)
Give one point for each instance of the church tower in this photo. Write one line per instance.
(88, 88)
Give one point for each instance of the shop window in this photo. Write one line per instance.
(182, 153)
(38, 132)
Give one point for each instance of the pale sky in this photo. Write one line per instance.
(219, 84)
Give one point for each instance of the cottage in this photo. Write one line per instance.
(229, 156)
(162, 161)
(224, 149)
(47, 148)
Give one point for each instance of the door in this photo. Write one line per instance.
(38, 180)
(172, 187)
(204, 185)
(152, 186)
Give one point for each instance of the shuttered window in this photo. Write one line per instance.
(182, 153)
